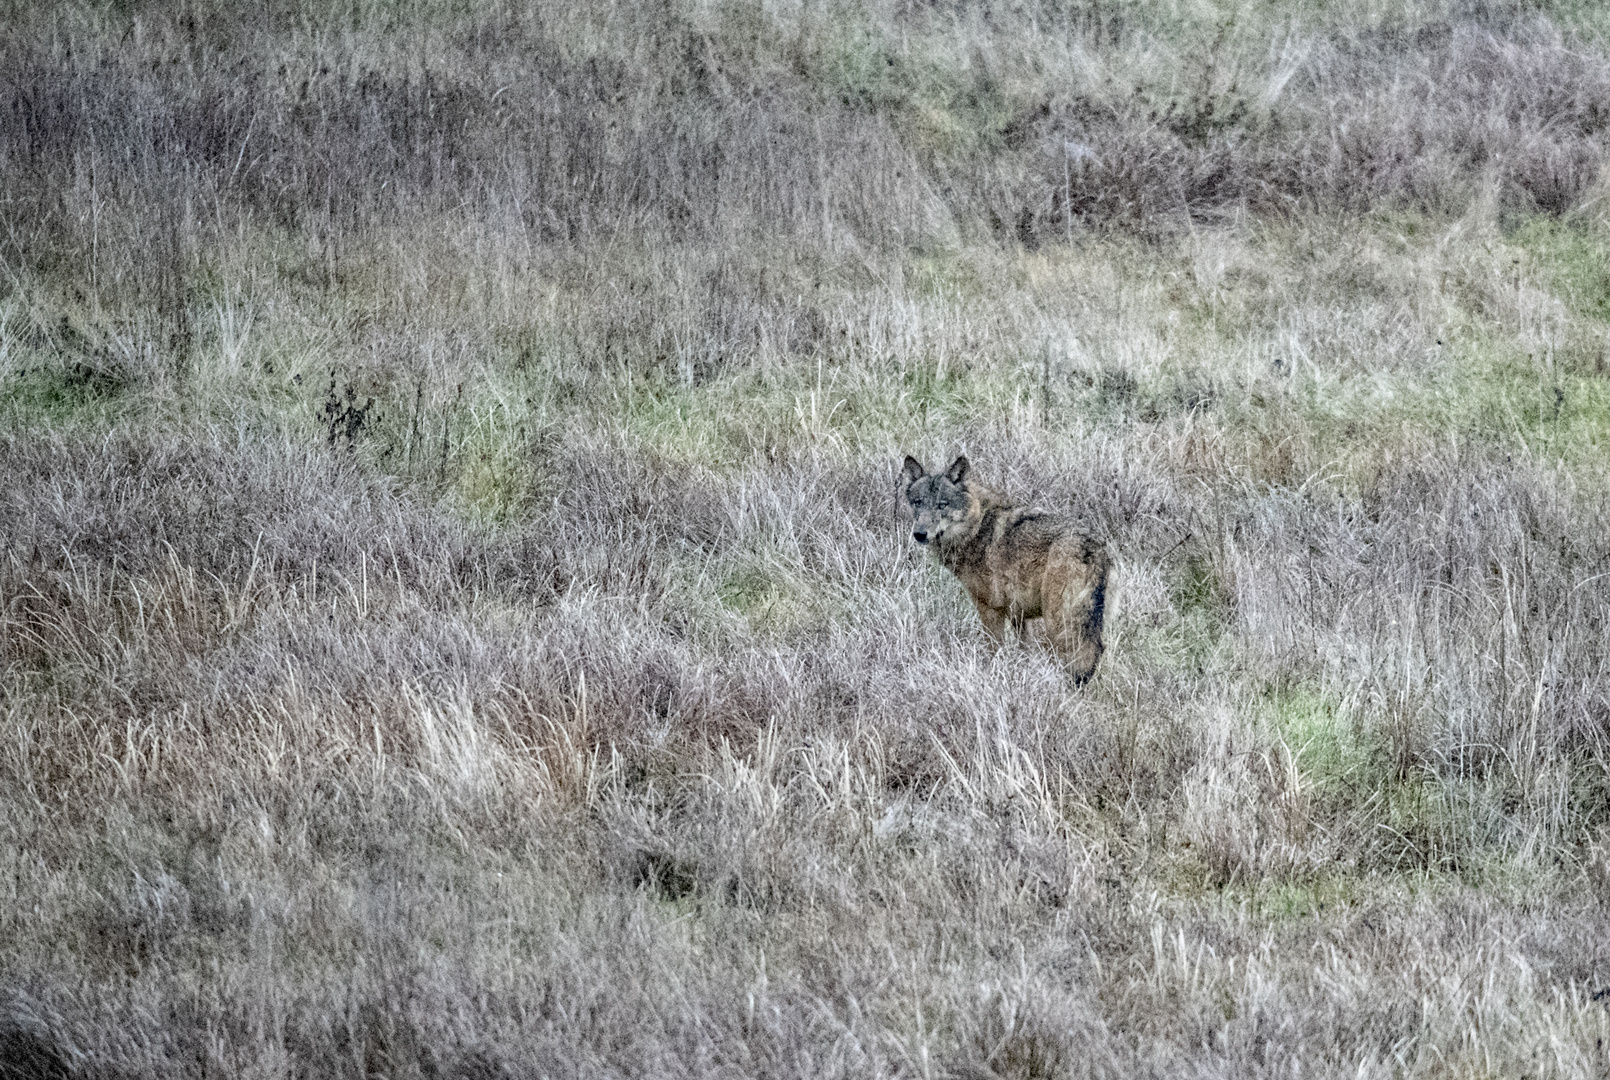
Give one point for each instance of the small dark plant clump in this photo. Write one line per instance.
(344, 419)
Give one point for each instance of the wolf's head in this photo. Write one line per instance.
(943, 504)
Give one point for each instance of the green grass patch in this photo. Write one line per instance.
(1485, 394)
(1205, 604)
(1334, 754)
(944, 104)
(1574, 260)
(863, 68)
(943, 273)
(1587, 19)
(1499, 397)
(1289, 900)
(498, 467)
(58, 392)
(1303, 900)
(1448, 825)
(772, 600)
(754, 594)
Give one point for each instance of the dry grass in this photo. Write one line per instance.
(456, 619)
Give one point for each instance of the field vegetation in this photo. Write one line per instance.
(456, 618)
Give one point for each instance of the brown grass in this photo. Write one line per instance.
(456, 619)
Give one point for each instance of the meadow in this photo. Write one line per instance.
(457, 618)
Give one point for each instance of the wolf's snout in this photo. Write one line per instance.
(921, 536)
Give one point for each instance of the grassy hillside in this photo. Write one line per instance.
(456, 619)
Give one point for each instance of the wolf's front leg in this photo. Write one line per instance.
(994, 623)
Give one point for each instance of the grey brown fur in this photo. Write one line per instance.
(1016, 563)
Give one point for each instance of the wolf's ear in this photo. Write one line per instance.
(912, 472)
(958, 470)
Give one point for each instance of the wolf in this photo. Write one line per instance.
(1016, 563)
